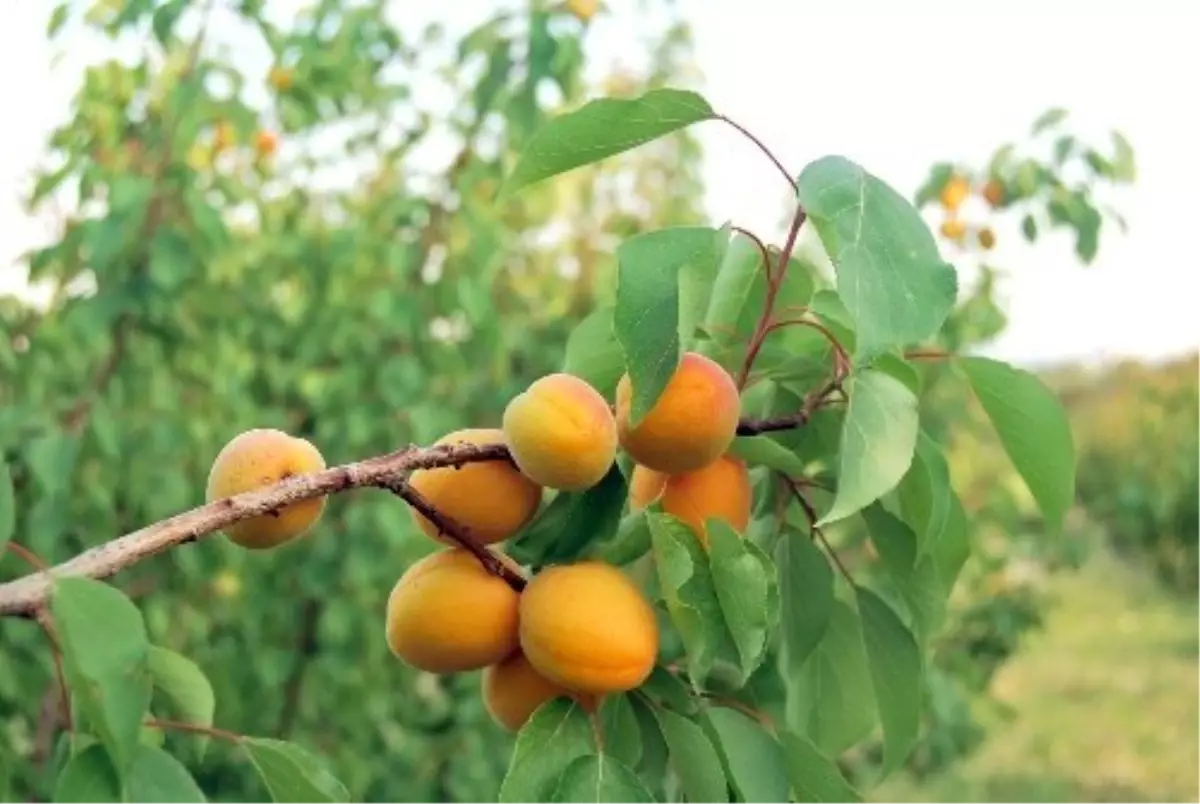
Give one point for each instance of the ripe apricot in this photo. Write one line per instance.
(266, 142)
(490, 498)
(720, 490)
(561, 433)
(953, 229)
(587, 627)
(691, 424)
(583, 9)
(993, 193)
(448, 614)
(954, 192)
(258, 458)
(513, 690)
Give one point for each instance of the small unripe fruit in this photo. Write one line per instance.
(588, 627)
(720, 490)
(561, 433)
(280, 78)
(987, 238)
(448, 614)
(993, 193)
(692, 423)
(954, 192)
(513, 690)
(492, 499)
(264, 457)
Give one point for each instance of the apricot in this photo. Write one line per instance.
(692, 423)
(993, 193)
(266, 142)
(513, 690)
(258, 458)
(953, 229)
(448, 614)
(561, 433)
(492, 499)
(720, 490)
(588, 627)
(954, 192)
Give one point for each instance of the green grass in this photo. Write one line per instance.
(1103, 702)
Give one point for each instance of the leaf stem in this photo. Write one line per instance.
(795, 185)
(192, 728)
(811, 514)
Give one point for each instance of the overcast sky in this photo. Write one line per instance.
(895, 92)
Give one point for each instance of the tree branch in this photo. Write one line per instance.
(24, 596)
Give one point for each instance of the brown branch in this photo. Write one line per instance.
(774, 283)
(457, 532)
(192, 728)
(927, 354)
(811, 514)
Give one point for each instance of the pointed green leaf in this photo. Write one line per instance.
(183, 682)
(104, 645)
(688, 590)
(557, 733)
(879, 435)
(602, 128)
(165, 17)
(652, 768)
(1033, 428)
(754, 761)
(1124, 164)
(740, 579)
(631, 541)
(291, 773)
(916, 578)
(573, 522)
(1048, 119)
(158, 776)
(8, 506)
(88, 776)
(666, 688)
(831, 699)
(890, 276)
(622, 737)
(806, 592)
(648, 309)
(814, 776)
(763, 450)
(740, 273)
(894, 661)
(924, 492)
(593, 353)
(693, 758)
(600, 778)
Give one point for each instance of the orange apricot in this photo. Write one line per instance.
(513, 690)
(492, 499)
(589, 628)
(720, 490)
(692, 423)
(448, 614)
(954, 192)
(561, 433)
(262, 457)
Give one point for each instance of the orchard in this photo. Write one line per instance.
(637, 562)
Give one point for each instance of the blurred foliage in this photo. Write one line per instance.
(311, 245)
(1137, 429)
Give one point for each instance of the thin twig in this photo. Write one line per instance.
(927, 354)
(775, 282)
(42, 615)
(818, 534)
(192, 728)
(28, 556)
(457, 532)
(762, 248)
(793, 183)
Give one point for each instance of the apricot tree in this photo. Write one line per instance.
(643, 560)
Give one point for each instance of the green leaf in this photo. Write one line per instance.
(593, 353)
(739, 287)
(814, 776)
(599, 778)
(104, 645)
(831, 699)
(165, 17)
(924, 493)
(183, 682)
(879, 435)
(693, 758)
(890, 275)
(631, 541)
(916, 578)
(8, 506)
(618, 724)
(1048, 119)
(895, 664)
(741, 584)
(687, 588)
(292, 773)
(666, 688)
(753, 759)
(806, 592)
(572, 522)
(1033, 428)
(58, 18)
(158, 776)
(602, 128)
(763, 450)
(88, 776)
(1087, 233)
(1124, 165)
(557, 733)
(653, 766)
(1029, 228)
(899, 368)
(647, 315)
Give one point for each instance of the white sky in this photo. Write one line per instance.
(893, 91)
